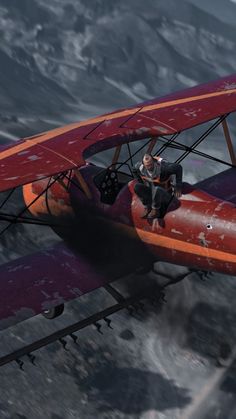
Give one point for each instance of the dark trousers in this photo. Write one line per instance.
(152, 196)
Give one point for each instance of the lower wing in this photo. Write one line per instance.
(37, 282)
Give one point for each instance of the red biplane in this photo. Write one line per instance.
(97, 214)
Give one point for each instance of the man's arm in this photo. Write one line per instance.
(136, 172)
(177, 170)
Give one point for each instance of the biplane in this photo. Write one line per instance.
(94, 209)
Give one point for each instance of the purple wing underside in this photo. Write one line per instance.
(34, 283)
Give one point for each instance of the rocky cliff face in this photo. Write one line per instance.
(67, 59)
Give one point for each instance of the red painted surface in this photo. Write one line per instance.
(92, 254)
(64, 148)
(199, 230)
(199, 233)
(54, 202)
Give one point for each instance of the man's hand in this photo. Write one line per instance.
(135, 171)
(137, 174)
(178, 191)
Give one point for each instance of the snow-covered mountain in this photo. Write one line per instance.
(64, 60)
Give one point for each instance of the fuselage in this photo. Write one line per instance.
(198, 230)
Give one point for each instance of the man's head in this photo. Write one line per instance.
(148, 161)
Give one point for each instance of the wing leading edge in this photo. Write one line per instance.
(65, 148)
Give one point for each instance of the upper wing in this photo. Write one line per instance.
(64, 148)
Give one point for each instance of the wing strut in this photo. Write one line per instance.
(116, 156)
(229, 141)
(151, 145)
(134, 154)
(83, 184)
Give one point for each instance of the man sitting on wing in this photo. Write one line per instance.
(154, 187)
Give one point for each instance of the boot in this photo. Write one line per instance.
(146, 212)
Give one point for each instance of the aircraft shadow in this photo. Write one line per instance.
(129, 390)
(228, 385)
(210, 330)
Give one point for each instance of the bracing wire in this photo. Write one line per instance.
(134, 154)
(18, 216)
(7, 198)
(171, 142)
(201, 138)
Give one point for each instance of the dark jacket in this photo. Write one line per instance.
(163, 170)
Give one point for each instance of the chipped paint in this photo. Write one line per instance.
(229, 86)
(45, 294)
(33, 158)
(140, 131)
(22, 153)
(76, 291)
(15, 268)
(202, 239)
(176, 231)
(12, 178)
(160, 128)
